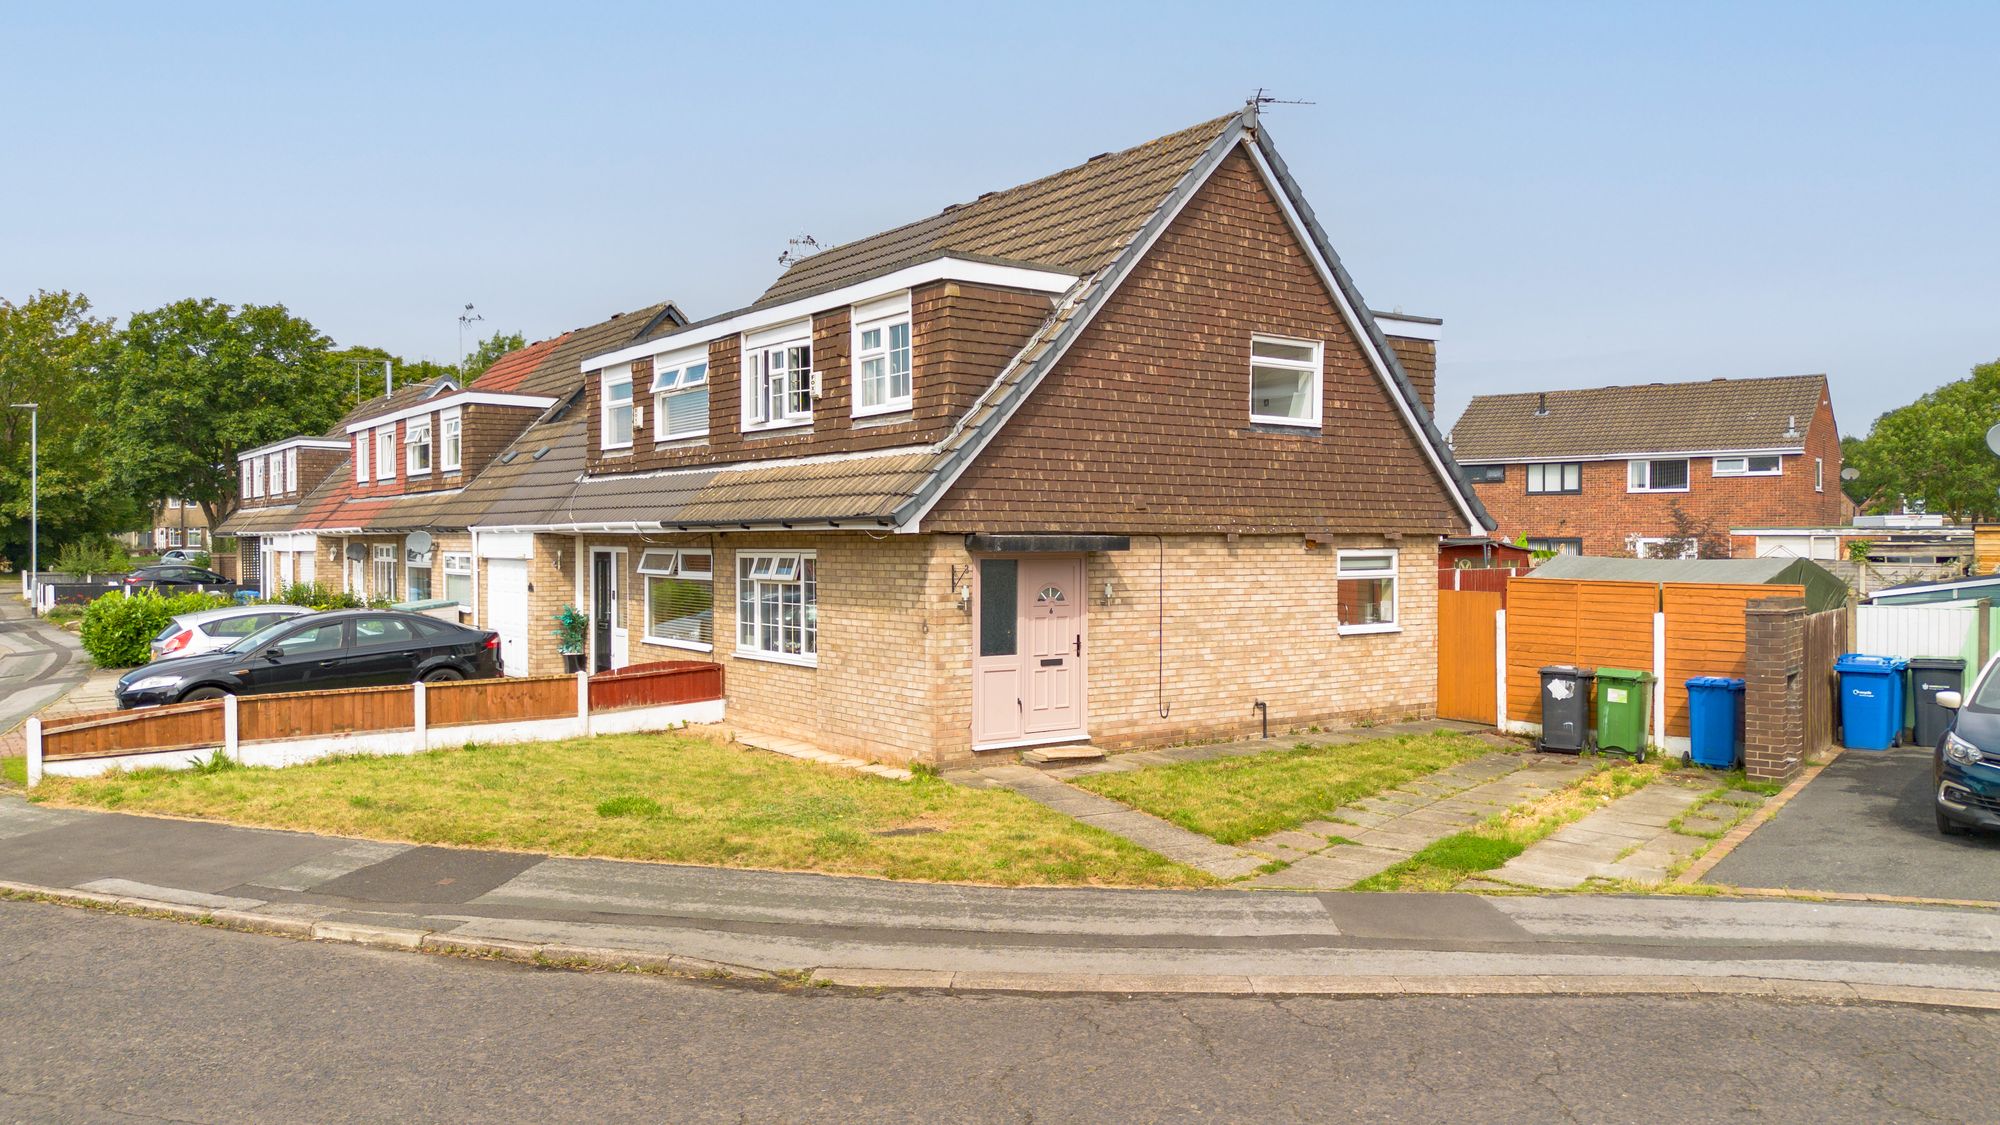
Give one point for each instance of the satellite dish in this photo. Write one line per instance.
(418, 541)
(1993, 439)
(357, 553)
(1850, 474)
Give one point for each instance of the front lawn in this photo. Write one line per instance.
(1234, 800)
(674, 798)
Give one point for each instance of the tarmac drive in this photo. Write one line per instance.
(1866, 825)
(111, 1018)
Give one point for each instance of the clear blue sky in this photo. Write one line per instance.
(1587, 194)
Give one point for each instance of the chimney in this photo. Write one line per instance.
(1541, 404)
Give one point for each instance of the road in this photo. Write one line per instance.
(111, 1018)
(37, 664)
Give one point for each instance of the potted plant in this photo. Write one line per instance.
(570, 624)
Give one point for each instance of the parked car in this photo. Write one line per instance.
(192, 634)
(179, 555)
(176, 574)
(1965, 765)
(340, 649)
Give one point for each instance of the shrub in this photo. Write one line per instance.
(312, 595)
(118, 630)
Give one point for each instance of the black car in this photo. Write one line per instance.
(175, 574)
(349, 648)
(1965, 764)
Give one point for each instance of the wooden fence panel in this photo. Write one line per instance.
(679, 681)
(1492, 579)
(1466, 654)
(315, 713)
(1558, 621)
(1826, 640)
(1706, 637)
(177, 726)
(508, 699)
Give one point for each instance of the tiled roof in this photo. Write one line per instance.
(1653, 418)
(555, 366)
(258, 521)
(507, 372)
(407, 395)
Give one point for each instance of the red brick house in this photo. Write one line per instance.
(1603, 471)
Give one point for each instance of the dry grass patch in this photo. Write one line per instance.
(667, 797)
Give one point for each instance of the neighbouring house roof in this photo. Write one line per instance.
(407, 395)
(550, 367)
(1824, 589)
(1722, 415)
(1975, 588)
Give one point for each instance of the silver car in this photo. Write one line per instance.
(192, 634)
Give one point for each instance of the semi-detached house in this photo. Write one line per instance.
(1118, 454)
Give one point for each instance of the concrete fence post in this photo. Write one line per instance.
(420, 713)
(1500, 670)
(231, 739)
(583, 701)
(34, 751)
(1659, 717)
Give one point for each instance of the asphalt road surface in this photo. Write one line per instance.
(37, 663)
(110, 1018)
(1866, 824)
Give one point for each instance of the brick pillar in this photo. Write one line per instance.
(1774, 697)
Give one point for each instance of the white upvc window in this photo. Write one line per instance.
(680, 396)
(451, 440)
(1819, 474)
(881, 350)
(1285, 381)
(1667, 475)
(680, 597)
(1555, 477)
(1365, 591)
(417, 446)
(194, 537)
(1767, 465)
(458, 578)
(777, 606)
(385, 572)
(1655, 547)
(385, 453)
(253, 478)
(292, 470)
(361, 441)
(614, 412)
(274, 480)
(173, 537)
(778, 378)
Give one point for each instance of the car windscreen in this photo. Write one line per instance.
(261, 637)
(1985, 695)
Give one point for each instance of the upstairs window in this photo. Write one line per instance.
(680, 597)
(1657, 476)
(385, 453)
(1819, 474)
(1562, 477)
(1485, 474)
(451, 427)
(777, 380)
(292, 469)
(1284, 381)
(1366, 591)
(882, 357)
(777, 606)
(615, 412)
(275, 480)
(680, 397)
(254, 483)
(417, 446)
(1768, 466)
(361, 441)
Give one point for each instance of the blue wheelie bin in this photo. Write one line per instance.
(1715, 721)
(1871, 700)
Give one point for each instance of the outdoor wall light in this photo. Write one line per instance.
(965, 597)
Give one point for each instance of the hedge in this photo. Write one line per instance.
(118, 631)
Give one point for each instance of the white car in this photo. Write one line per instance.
(192, 634)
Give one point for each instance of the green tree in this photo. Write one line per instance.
(362, 365)
(1932, 453)
(197, 382)
(490, 349)
(48, 344)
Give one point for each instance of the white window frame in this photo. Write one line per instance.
(362, 441)
(1740, 466)
(1393, 572)
(1638, 544)
(1819, 474)
(194, 537)
(383, 553)
(173, 537)
(455, 564)
(883, 316)
(451, 441)
(1562, 478)
(1633, 475)
(417, 436)
(759, 568)
(618, 374)
(676, 377)
(291, 470)
(254, 487)
(1316, 367)
(385, 452)
(670, 562)
(794, 381)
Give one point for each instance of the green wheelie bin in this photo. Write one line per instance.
(1624, 702)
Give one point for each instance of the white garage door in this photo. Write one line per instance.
(507, 611)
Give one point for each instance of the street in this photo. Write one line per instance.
(37, 663)
(205, 1025)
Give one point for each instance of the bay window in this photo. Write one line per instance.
(777, 606)
(451, 427)
(680, 597)
(615, 410)
(1365, 591)
(881, 349)
(1284, 381)
(777, 378)
(680, 396)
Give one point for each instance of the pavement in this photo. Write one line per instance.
(856, 931)
(39, 664)
(1865, 826)
(200, 1024)
(1641, 837)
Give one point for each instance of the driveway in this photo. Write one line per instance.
(1865, 825)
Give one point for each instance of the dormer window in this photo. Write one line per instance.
(882, 356)
(254, 484)
(417, 446)
(276, 478)
(680, 396)
(292, 470)
(615, 414)
(777, 378)
(451, 427)
(361, 441)
(385, 453)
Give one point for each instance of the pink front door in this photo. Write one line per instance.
(1027, 667)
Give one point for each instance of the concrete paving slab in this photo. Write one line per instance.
(429, 875)
(333, 865)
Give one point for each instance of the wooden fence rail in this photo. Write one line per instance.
(484, 701)
(310, 714)
(677, 681)
(178, 726)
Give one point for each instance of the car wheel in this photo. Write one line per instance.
(1947, 826)
(203, 693)
(442, 675)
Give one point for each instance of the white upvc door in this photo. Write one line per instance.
(507, 611)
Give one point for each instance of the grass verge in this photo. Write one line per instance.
(14, 771)
(672, 798)
(1231, 800)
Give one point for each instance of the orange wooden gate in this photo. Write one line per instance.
(1466, 652)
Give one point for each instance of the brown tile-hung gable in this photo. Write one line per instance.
(1653, 418)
